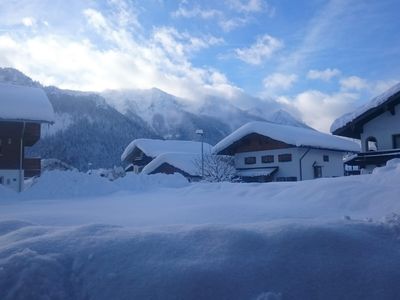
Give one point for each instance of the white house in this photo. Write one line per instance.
(22, 111)
(141, 152)
(377, 125)
(266, 151)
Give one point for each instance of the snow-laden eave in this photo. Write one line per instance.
(186, 162)
(350, 123)
(288, 134)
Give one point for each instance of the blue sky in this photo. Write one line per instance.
(317, 59)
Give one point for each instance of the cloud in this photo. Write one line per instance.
(324, 75)
(110, 57)
(320, 109)
(196, 12)
(263, 48)
(353, 83)
(249, 6)
(28, 22)
(279, 81)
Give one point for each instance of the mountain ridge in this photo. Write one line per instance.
(96, 127)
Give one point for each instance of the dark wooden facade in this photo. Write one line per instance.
(254, 142)
(137, 158)
(11, 136)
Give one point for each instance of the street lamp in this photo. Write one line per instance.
(201, 133)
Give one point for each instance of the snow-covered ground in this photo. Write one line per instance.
(76, 236)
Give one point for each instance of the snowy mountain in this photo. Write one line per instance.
(96, 127)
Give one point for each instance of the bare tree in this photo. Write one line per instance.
(217, 168)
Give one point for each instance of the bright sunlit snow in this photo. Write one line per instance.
(78, 236)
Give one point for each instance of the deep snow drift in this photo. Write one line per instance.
(162, 238)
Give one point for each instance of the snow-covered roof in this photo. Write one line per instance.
(348, 118)
(154, 148)
(300, 137)
(187, 162)
(21, 103)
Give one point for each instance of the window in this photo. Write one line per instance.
(317, 171)
(285, 157)
(9, 141)
(1, 147)
(396, 141)
(1, 180)
(290, 178)
(266, 159)
(371, 144)
(326, 157)
(251, 160)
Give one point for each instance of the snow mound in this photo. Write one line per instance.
(142, 182)
(73, 184)
(392, 165)
(298, 261)
(68, 184)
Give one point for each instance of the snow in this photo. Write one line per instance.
(187, 162)
(153, 148)
(256, 172)
(24, 104)
(300, 137)
(159, 237)
(375, 102)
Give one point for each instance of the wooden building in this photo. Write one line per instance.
(266, 152)
(377, 125)
(22, 111)
(186, 164)
(141, 152)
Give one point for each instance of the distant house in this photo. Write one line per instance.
(377, 125)
(141, 152)
(22, 111)
(186, 164)
(266, 152)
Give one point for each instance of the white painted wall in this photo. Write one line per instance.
(382, 128)
(11, 178)
(333, 168)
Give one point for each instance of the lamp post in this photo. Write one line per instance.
(201, 133)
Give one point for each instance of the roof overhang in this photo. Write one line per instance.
(354, 128)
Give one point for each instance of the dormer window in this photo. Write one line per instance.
(371, 144)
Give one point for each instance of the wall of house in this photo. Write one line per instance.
(286, 169)
(332, 168)
(10, 178)
(383, 127)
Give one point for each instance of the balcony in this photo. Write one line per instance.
(32, 134)
(32, 167)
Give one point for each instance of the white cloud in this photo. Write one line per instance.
(228, 25)
(264, 47)
(324, 75)
(118, 60)
(279, 81)
(319, 109)
(196, 12)
(353, 83)
(246, 6)
(28, 21)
